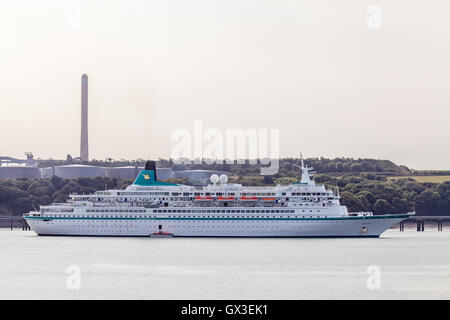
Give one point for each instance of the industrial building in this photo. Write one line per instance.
(165, 173)
(16, 172)
(79, 170)
(75, 171)
(129, 172)
(197, 176)
(12, 168)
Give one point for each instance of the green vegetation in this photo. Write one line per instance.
(368, 192)
(365, 192)
(18, 196)
(431, 172)
(427, 178)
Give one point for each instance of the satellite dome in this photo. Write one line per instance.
(223, 179)
(214, 178)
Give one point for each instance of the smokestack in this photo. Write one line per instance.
(84, 148)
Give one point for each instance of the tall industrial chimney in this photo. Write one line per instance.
(84, 148)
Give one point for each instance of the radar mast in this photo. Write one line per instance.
(305, 173)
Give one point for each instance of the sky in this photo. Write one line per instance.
(335, 78)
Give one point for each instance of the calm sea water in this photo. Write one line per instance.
(411, 264)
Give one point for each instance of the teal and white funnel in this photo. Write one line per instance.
(147, 177)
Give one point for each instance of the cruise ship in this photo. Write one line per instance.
(153, 208)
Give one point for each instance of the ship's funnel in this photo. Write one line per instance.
(151, 165)
(147, 177)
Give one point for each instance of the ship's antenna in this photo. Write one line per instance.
(301, 162)
(336, 189)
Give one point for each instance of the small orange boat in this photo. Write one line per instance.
(161, 234)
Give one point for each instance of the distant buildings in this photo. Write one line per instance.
(196, 176)
(74, 171)
(19, 168)
(17, 171)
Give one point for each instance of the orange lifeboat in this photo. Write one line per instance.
(225, 198)
(249, 198)
(161, 234)
(203, 198)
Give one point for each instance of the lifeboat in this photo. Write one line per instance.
(203, 198)
(268, 199)
(249, 198)
(225, 198)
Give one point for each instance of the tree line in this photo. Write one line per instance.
(246, 167)
(18, 196)
(363, 192)
(382, 196)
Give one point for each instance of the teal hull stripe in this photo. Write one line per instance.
(402, 216)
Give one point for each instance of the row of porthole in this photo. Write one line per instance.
(199, 218)
(175, 226)
(178, 216)
(214, 217)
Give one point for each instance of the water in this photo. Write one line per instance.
(412, 265)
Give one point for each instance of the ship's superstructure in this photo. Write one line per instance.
(221, 209)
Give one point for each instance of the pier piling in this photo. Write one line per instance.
(420, 225)
(14, 222)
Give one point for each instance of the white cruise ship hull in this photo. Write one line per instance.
(360, 226)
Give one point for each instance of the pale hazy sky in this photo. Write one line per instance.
(312, 69)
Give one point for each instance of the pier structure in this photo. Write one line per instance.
(420, 221)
